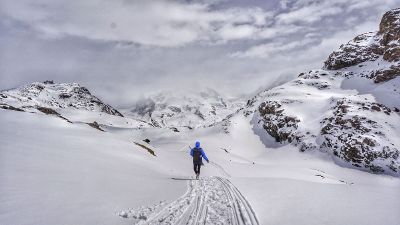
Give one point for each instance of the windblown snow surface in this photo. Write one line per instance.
(56, 172)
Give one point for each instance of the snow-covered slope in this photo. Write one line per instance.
(349, 109)
(179, 110)
(68, 101)
(55, 172)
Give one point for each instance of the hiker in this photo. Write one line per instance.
(198, 154)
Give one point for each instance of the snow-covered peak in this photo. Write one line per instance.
(54, 96)
(175, 109)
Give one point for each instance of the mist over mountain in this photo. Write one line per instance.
(187, 110)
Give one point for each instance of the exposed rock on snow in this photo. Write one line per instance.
(95, 125)
(383, 75)
(364, 47)
(9, 107)
(148, 149)
(49, 111)
(358, 139)
(276, 123)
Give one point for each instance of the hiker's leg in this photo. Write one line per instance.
(195, 168)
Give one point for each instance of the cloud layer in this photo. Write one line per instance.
(126, 48)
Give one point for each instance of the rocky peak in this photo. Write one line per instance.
(390, 26)
(382, 47)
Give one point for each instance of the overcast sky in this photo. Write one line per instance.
(124, 49)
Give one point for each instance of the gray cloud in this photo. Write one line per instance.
(123, 50)
(158, 23)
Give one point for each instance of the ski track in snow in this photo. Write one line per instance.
(220, 169)
(209, 200)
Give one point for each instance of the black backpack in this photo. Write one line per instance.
(197, 155)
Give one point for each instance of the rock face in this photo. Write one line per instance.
(358, 139)
(389, 27)
(54, 96)
(349, 109)
(276, 123)
(382, 46)
(362, 48)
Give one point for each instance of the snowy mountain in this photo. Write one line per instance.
(68, 101)
(179, 111)
(51, 95)
(349, 109)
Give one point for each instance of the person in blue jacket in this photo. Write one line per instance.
(198, 154)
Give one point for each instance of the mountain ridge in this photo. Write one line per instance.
(348, 109)
(180, 111)
(54, 95)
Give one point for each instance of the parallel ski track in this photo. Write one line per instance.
(220, 169)
(209, 200)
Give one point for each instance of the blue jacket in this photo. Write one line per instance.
(202, 153)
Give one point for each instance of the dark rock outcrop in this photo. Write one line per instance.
(355, 52)
(280, 126)
(385, 75)
(49, 111)
(358, 140)
(95, 125)
(10, 107)
(389, 26)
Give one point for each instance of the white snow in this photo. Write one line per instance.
(54, 172)
(387, 93)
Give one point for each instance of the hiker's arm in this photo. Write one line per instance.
(204, 155)
(191, 152)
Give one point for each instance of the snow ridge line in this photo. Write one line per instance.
(209, 200)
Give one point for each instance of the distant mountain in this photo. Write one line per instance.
(349, 109)
(53, 95)
(184, 110)
(69, 101)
